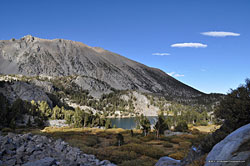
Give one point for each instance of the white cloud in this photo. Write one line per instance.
(195, 45)
(179, 75)
(220, 34)
(161, 54)
(173, 74)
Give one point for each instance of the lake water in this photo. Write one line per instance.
(130, 123)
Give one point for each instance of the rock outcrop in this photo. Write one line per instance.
(36, 150)
(234, 150)
(25, 91)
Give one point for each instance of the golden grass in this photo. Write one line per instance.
(137, 148)
(185, 144)
(176, 140)
(177, 155)
(206, 129)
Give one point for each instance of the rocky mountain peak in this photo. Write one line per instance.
(58, 57)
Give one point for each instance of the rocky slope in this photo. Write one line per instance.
(35, 150)
(25, 91)
(34, 56)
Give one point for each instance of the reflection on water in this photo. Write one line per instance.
(130, 123)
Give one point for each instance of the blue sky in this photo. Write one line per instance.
(141, 29)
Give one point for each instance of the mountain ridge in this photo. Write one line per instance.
(59, 57)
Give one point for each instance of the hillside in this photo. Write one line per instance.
(33, 56)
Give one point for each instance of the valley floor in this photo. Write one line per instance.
(136, 150)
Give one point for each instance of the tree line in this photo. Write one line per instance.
(41, 112)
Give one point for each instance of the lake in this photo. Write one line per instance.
(130, 123)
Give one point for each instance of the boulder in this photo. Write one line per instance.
(36, 150)
(47, 161)
(234, 150)
(167, 161)
(56, 123)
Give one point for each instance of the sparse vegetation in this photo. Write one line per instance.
(103, 144)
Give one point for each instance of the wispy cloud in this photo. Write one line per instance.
(173, 74)
(161, 54)
(194, 45)
(179, 75)
(203, 70)
(220, 34)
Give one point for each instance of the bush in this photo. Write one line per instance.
(132, 140)
(176, 140)
(115, 155)
(6, 130)
(200, 161)
(91, 141)
(185, 144)
(167, 145)
(163, 138)
(203, 123)
(195, 131)
(146, 150)
(142, 161)
(119, 139)
(181, 126)
(148, 138)
(88, 150)
(177, 156)
(188, 136)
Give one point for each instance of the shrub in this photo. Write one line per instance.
(167, 145)
(91, 141)
(203, 123)
(119, 139)
(6, 129)
(148, 138)
(163, 138)
(132, 140)
(88, 150)
(115, 155)
(146, 150)
(177, 155)
(176, 140)
(142, 161)
(185, 144)
(188, 136)
(181, 126)
(195, 131)
(200, 161)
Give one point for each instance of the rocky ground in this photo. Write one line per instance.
(36, 150)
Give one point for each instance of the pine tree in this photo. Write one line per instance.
(44, 108)
(120, 139)
(144, 124)
(160, 125)
(108, 124)
(78, 117)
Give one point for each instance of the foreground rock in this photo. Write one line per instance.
(35, 150)
(167, 161)
(234, 150)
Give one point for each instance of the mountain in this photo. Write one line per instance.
(33, 56)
